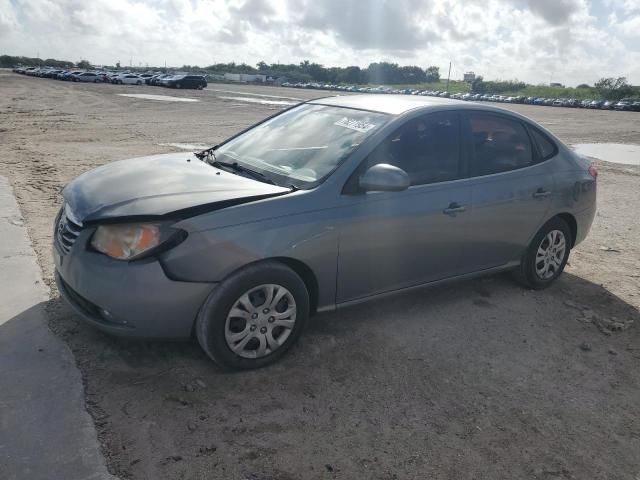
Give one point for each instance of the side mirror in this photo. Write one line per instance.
(384, 178)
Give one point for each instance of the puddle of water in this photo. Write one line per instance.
(260, 101)
(625, 154)
(253, 94)
(185, 146)
(162, 98)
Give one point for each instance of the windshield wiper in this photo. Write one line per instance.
(235, 166)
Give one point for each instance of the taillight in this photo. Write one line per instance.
(593, 171)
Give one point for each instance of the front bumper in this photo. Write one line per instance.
(134, 299)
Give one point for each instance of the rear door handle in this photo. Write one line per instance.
(540, 193)
(454, 208)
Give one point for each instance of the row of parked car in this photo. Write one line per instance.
(122, 78)
(622, 105)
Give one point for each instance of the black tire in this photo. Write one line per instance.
(178, 85)
(138, 82)
(211, 322)
(526, 273)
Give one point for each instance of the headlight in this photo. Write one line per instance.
(132, 240)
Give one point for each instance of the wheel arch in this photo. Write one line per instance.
(573, 225)
(307, 275)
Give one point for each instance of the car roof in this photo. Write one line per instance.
(398, 104)
(389, 103)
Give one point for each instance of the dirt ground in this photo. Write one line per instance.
(476, 380)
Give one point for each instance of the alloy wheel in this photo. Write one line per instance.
(260, 321)
(550, 254)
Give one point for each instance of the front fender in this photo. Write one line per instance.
(212, 255)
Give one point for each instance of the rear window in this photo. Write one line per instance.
(546, 147)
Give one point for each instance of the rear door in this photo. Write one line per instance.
(512, 189)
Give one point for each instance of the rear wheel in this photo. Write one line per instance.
(546, 256)
(178, 85)
(138, 82)
(254, 317)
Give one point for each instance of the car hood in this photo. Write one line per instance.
(175, 183)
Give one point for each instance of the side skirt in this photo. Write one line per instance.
(467, 276)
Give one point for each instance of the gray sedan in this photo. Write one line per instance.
(332, 202)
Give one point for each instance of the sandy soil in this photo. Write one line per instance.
(477, 380)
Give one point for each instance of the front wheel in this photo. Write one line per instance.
(254, 317)
(178, 85)
(547, 255)
(138, 82)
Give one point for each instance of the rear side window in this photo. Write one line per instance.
(546, 147)
(498, 144)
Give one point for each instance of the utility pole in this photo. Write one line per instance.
(449, 77)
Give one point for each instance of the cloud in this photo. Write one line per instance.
(383, 24)
(571, 41)
(555, 12)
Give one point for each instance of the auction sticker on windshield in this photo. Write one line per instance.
(354, 124)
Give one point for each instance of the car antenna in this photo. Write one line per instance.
(206, 153)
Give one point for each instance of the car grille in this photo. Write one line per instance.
(67, 229)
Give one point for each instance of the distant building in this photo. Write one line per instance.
(556, 84)
(245, 77)
(469, 77)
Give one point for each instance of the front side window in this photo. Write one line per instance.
(302, 146)
(427, 148)
(499, 144)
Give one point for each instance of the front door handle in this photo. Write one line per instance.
(454, 208)
(541, 193)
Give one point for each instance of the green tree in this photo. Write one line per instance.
(413, 74)
(613, 88)
(83, 64)
(351, 75)
(478, 85)
(432, 74)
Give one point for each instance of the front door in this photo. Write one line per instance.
(393, 240)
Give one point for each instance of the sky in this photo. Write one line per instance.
(537, 41)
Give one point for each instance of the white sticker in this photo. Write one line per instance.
(354, 124)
